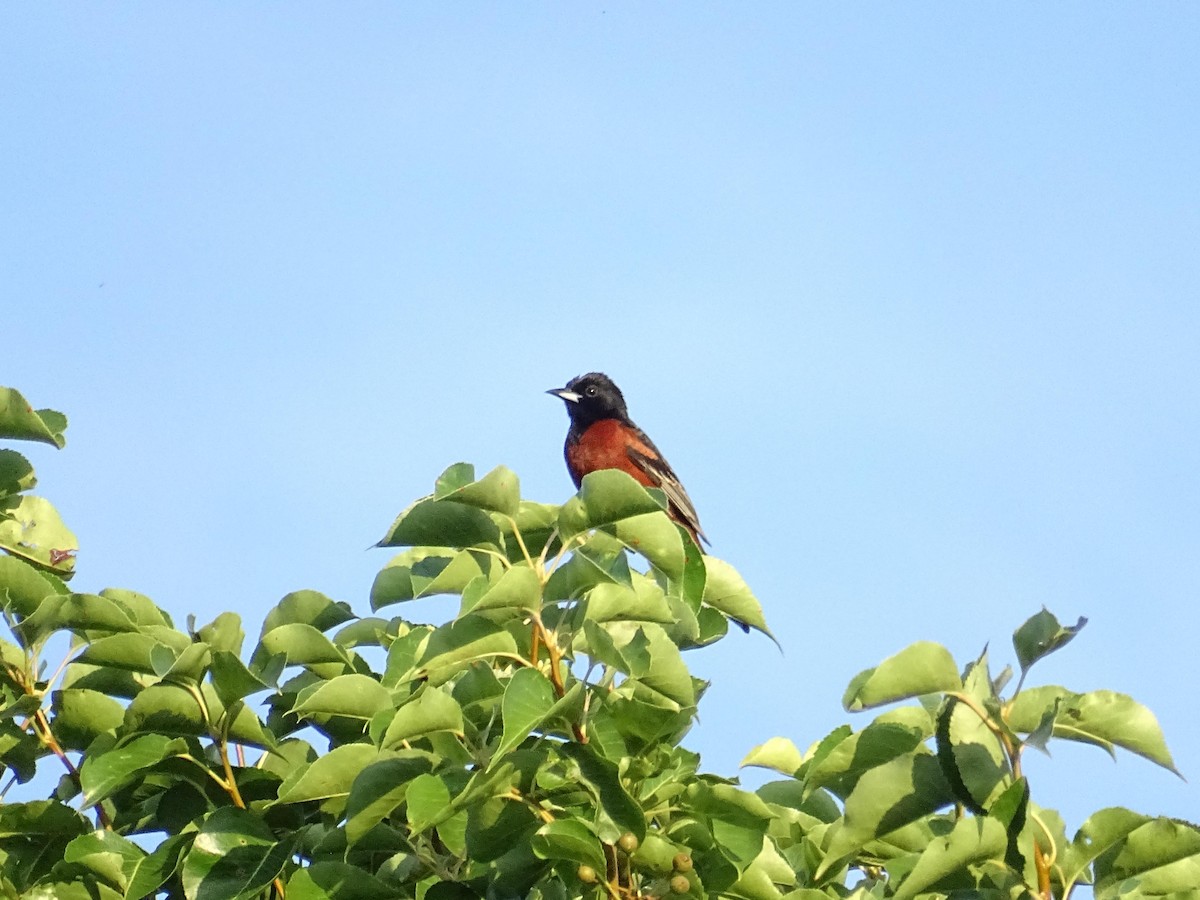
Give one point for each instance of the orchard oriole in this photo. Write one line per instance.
(602, 436)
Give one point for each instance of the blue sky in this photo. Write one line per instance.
(908, 294)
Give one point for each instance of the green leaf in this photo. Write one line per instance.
(970, 841)
(102, 775)
(569, 839)
(738, 819)
(41, 819)
(537, 524)
(586, 568)
(402, 656)
(106, 855)
(611, 495)
(495, 826)
(371, 631)
(1103, 831)
(725, 590)
(603, 777)
(884, 799)
(424, 572)
(777, 753)
(453, 647)
(329, 776)
(428, 802)
(356, 696)
(1103, 718)
(378, 790)
(644, 601)
(655, 537)
(1041, 635)
(1163, 855)
(130, 651)
(842, 758)
(336, 880)
(231, 679)
(31, 528)
(224, 633)
(1106, 716)
(431, 711)
(308, 608)
(920, 668)
(233, 856)
(497, 491)
(165, 709)
(22, 587)
(19, 421)
(528, 699)
(16, 473)
(79, 613)
(140, 607)
(517, 588)
(300, 644)
(663, 669)
(81, 715)
(973, 755)
(153, 871)
(441, 523)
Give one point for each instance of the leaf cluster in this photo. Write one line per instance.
(530, 746)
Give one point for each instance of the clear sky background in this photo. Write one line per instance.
(909, 295)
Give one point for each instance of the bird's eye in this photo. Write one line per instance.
(591, 392)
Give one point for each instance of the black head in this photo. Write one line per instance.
(592, 397)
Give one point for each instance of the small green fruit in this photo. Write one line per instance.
(628, 842)
(680, 884)
(682, 862)
(586, 874)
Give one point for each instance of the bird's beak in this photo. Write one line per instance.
(565, 394)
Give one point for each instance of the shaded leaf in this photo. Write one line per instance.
(441, 523)
(604, 778)
(233, 856)
(41, 818)
(1163, 855)
(1041, 635)
(102, 775)
(154, 870)
(424, 572)
(16, 473)
(452, 647)
(378, 789)
(884, 799)
(570, 840)
(106, 855)
(81, 715)
(970, 841)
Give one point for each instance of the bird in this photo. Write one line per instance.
(602, 436)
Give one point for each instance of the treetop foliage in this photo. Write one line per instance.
(531, 746)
